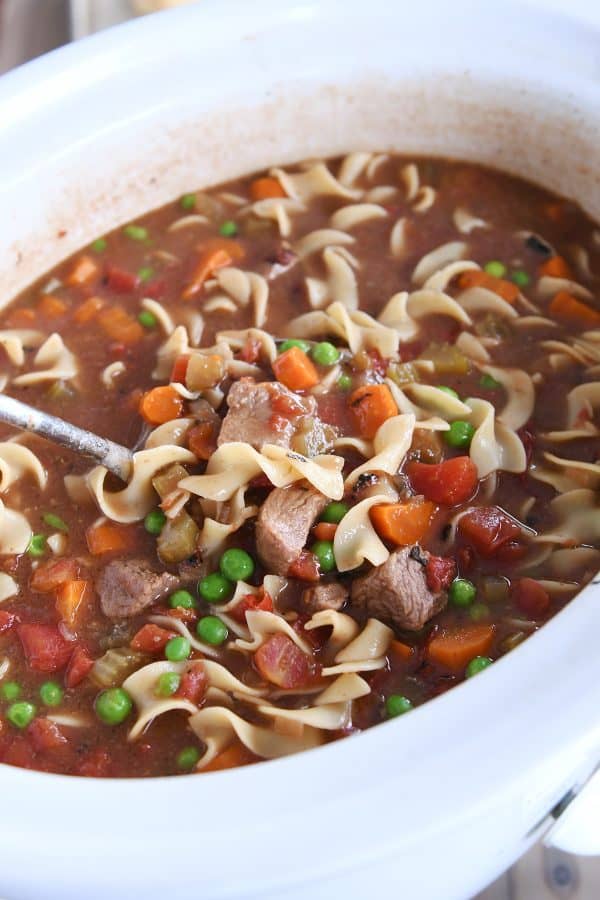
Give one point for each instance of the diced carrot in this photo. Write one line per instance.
(160, 405)
(325, 531)
(83, 271)
(372, 405)
(52, 307)
(403, 523)
(454, 648)
(478, 278)
(69, 598)
(21, 318)
(108, 537)
(556, 267)
(201, 440)
(295, 370)
(88, 310)
(403, 651)
(234, 756)
(119, 325)
(53, 573)
(568, 309)
(214, 254)
(266, 188)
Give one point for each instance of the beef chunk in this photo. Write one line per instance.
(397, 591)
(283, 523)
(324, 596)
(193, 568)
(265, 413)
(127, 586)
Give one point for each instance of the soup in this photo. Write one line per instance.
(362, 397)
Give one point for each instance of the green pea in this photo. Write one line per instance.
(325, 354)
(168, 684)
(323, 550)
(10, 690)
(212, 630)
(479, 612)
(188, 201)
(51, 693)
(136, 232)
(236, 565)
(496, 268)
(20, 714)
(145, 274)
(397, 705)
(55, 521)
(489, 383)
(448, 390)
(188, 757)
(155, 521)
(477, 665)
(177, 649)
(147, 319)
(99, 245)
(228, 228)
(462, 592)
(37, 545)
(344, 382)
(292, 342)
(460, 434)
(113, 706)
(520, 277)
(214, 588)
(334, 512)
(183, 599)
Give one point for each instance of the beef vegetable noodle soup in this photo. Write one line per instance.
(363, 398)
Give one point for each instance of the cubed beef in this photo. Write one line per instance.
(397, 591)
(324, 596)
(127, 586)
(283, 524)
(265, 413)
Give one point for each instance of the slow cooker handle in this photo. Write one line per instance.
(577, 825)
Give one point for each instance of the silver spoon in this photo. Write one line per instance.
(114, 457)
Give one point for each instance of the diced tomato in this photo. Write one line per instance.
(44, 647)
(180, 612)
(20, 753)
(120, 280)
(193, 684)
(250, 352)
(202, 440)
(151, 639)
(79, 666)
(487, 529)
(155, 289)
(281, 662)
(465, 559)
(531, 598)
(285, 404)
(305, 568)
(7, 620)
(262, 600)
(409, 350)
(180, 368)
(451, 482)
(45, 735)
(439, 572)
(95, 765)
(52, 574)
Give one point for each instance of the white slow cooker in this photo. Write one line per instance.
(433, 805)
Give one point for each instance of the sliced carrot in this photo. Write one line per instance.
(52, 307)
(21, 318)
(88, 310)
(403, 651)
(403, 523)
(84, 270)
(214, 254)
(160, 405)
(295, 370)
(119, 325)
(372, 405)
(234, 756)
(568, 309)
(454, 648)
(108, 537)
(265, 188)
(556, 267)
(478, 278)
(69, 598)
(325, 531)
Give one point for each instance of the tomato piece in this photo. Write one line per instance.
(45, 735)
(79, 666)
(20, 753)
(193, 684)
(95, 765)
(44, 647)
(451, 482)
(305, 568)
(531, 598)
(488, 529)
(120, 281)
(178, 372)
(151, 639)
(281, 662)
(250, 352)
(262, 600)
(52, 574)
(7, 620)
(439, 572)
(202, 440)
(155, 288)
